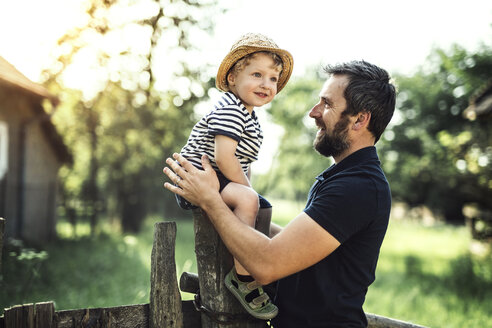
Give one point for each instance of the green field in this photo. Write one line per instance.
(425, 275)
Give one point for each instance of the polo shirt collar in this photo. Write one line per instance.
(354, 159)
(231, 97)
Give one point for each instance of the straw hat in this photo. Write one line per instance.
(247, 44)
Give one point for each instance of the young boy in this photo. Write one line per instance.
(251, 74)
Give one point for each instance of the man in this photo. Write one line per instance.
(325, 258)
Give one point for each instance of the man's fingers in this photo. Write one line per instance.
(172, 164)
(173, 188)
(172, 176)
(184, 162)
(178, 170)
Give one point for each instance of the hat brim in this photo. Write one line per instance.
(238, 53)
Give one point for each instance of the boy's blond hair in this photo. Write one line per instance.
(243, 62)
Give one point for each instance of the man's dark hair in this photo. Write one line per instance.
(369, 90)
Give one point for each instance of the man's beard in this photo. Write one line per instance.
(336, 143)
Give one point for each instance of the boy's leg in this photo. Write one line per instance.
(263, 220)
(242, 285)
(244, 202)
(264, 217)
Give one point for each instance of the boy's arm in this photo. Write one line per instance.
(225, 149)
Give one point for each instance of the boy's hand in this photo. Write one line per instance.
(197, 186)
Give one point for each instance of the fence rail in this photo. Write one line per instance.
(165, 309)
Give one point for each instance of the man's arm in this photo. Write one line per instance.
(302, 243)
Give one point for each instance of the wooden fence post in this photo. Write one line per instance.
(165, 299)
(213, 262)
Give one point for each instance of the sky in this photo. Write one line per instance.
(397, 35)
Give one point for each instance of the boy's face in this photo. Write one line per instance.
(256, 84)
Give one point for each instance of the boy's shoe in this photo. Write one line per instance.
(261, 306)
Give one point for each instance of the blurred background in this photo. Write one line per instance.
(95, 94)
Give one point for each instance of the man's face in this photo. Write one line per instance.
(332, 137)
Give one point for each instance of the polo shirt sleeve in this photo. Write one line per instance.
(344, 206)
(227, 121)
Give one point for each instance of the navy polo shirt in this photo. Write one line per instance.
(351, 200)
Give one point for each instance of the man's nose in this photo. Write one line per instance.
(314, 112)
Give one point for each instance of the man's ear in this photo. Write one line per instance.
(362, 120)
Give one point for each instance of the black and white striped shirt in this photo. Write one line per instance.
(229, 118)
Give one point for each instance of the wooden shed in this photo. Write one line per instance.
(31, 153)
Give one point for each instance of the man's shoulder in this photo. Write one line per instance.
(366, 171)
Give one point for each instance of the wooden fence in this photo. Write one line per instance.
(213, 306)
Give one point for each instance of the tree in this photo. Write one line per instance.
(125, 120)
(433, 155)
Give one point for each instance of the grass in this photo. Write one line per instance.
(425, 275)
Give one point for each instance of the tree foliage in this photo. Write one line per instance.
(124, 121)
(435, 156)
(432, 155)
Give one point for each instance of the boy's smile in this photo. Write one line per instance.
(256, 84)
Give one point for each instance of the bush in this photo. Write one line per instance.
(24, 264)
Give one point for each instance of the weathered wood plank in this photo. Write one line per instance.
(213, 262)
(128, 316)
(189, 281)
(45, 313)
(377, 321)
(165, 299)
(19, 316)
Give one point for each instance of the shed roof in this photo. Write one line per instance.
(12, 78)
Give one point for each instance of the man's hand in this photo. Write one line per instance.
(197, 186)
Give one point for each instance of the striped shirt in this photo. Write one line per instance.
(229, 118)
